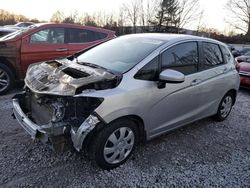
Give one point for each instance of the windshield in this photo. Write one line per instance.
(120, 54)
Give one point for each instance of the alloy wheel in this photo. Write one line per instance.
(4, 80)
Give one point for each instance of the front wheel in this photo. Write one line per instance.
(225, 107)
(114, 144)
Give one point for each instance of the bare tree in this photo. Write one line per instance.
(57, 17)
(132, 9)
(151, 10)
(189, 11)
(148, 10)
(239, 15)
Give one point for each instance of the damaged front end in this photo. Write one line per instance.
(51, 105)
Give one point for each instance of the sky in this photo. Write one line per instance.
(214, 10)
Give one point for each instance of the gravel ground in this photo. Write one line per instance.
(204, 154)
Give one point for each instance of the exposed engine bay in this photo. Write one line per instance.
(68, 78)
(51, 104)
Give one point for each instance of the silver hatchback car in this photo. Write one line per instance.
(133, 88)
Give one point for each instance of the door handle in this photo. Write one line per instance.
(61, 49)
(195, 82)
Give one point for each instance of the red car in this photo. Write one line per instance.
(42, 42)
(243, 66)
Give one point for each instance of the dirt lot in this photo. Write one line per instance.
(204, 154)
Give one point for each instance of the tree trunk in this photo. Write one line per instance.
(248, 29)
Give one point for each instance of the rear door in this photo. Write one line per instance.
(215, 73)
(45, 44)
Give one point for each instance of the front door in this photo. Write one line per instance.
(46, 44)
(178, 103)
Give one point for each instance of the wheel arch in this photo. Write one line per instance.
(135, 118)
(6, 62)
(234, 93)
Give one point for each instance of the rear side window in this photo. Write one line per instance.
(100, 36)
(181, 57)
(83, 35)
(211, 55)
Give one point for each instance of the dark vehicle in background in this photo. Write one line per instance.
(243, 67)
(237, 53)
(43, 42)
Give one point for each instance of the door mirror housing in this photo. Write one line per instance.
(171, 76)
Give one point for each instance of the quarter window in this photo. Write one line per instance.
(227, 55)
(212, 55)
(51, 35)
(149, 71)
(182, 57)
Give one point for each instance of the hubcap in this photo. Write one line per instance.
(119, 145)
(226, 106)
(4, 80)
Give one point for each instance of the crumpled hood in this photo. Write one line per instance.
(63, 77)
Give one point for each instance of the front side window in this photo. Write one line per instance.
(211, 55)
(181, 57)
(50, 35)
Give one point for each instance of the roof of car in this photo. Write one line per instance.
(171, 37)
(74, 25)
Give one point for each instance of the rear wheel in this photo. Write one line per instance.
(6, 79)
(225, 107)
(114, 144)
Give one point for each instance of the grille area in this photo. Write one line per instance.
(40, 113)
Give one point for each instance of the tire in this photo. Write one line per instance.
(119, 139)
(225, 107)
(6, 79)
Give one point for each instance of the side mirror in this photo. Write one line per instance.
(171, 76)
(240, 60)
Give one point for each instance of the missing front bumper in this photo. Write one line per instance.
(51, 131)
(33, 129)
(41, 132)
